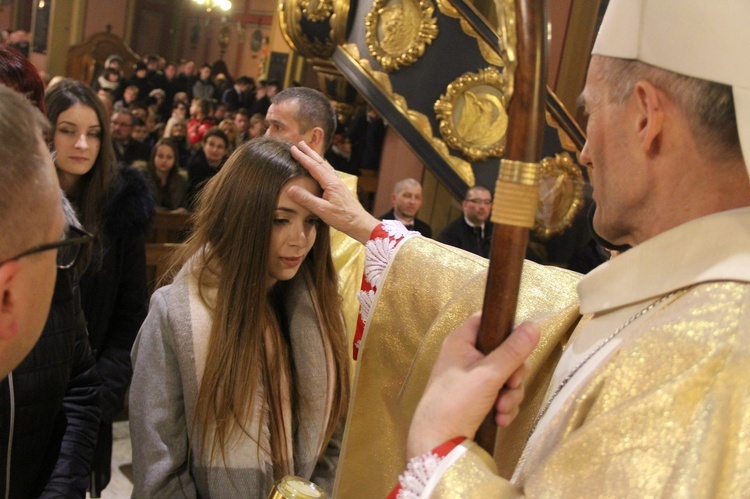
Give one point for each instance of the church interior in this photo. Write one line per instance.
(436, 72)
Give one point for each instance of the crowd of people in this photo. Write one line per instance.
(240, 372)
(117, 161)
(169, 101)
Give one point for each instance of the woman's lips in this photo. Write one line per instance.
(291, 261)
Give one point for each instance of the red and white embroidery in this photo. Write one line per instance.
(384, 241)
(423, 472)
(418, 472)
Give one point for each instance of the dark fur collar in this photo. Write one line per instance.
(129, 209)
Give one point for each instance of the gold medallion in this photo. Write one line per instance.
(398, 31)
(472, 114)
(560, 195)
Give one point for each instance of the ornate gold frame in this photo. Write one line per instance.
(560, 195)
(418, 120)
(472, 114)
(506, 33)
(332, 12)
(398, 31)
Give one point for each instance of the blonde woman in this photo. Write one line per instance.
(241, 373)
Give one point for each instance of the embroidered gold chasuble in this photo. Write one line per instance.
(429, 289)
(667, 412)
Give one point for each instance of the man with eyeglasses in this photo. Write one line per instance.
(49, 389)
(35, 458)
(470, 231)
(31, 222)
(127, 149)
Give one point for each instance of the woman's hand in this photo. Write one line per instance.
(337, 207)
(465, 385)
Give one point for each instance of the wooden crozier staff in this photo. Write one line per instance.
(515, 199)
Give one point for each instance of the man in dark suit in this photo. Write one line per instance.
(407, 200)
(127, 150)
(237, 97)
(471, 231)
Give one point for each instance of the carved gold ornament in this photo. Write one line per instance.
(419, 121)
(502, 21)
(398, 31)
(317, 10)
(472, 114)
(313, 28)
(560, 195)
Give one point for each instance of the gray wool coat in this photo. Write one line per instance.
(165, 387)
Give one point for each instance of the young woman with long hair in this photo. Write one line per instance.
(114, 204)
(240, 369)
(168, 184)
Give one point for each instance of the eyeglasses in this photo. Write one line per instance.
(480, 201)
(67, 248)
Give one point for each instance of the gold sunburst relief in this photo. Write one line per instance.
(472, 114)
(398, 31)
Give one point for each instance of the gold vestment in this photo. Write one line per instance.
(429, 290)
(667, 412)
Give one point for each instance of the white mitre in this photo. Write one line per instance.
(706, 39)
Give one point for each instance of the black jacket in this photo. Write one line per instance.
(114, 295)
(51, 402)
(132, 151)
(199, 172)
(420, 226)
(459, 234)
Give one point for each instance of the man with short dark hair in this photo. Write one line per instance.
(204, 87)
(264, 96)
(127, 150)
(301, 113)
(470, 231)
(155, 76)
(242, 122)
(236, 97)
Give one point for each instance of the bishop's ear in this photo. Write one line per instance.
(649, 102)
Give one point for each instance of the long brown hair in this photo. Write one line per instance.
(229, 249)
(96, 184)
